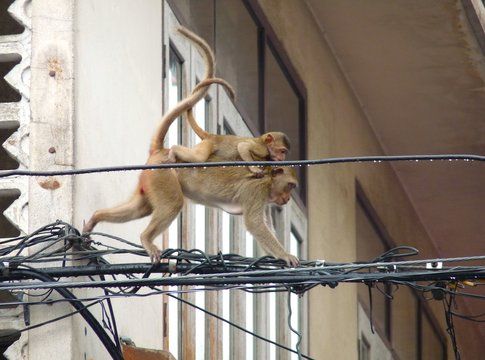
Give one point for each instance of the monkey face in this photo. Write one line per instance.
(278, 153)
(277, 144)
(284, 181)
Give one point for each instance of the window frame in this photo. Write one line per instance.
(181, 50)
(268, 41)
(422, 308)
(221, 112)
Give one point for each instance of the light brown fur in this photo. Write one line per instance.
(270, 146)
(161, 192)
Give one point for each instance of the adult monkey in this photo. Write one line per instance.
(161, 192)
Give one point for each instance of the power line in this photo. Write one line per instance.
(337, 160)
(204, 272)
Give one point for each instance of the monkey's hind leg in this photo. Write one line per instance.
(199, 153)
(136, 207)
(162, 217)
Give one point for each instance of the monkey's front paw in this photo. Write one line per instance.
(88, 226)
(154, 253)
(258, 174)
(291, 261)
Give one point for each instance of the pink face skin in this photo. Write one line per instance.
(277, 153)
(282, 196)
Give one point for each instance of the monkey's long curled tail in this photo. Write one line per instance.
(190, 113)
(190, 101)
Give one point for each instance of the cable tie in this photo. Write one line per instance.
(435, 265)
(387, 268)
(172, 265)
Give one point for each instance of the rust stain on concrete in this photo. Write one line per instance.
(50, 184)
(54, 67)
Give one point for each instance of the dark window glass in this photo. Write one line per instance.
(364, 348)
(369, 246)
(237, 56)
(238, 37)
(282, 110)
(174, 96)
(198, 15)
(432, 347)
(282, 104)
(404, 324)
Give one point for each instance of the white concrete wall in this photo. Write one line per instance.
(118, 102)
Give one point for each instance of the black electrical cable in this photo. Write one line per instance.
(220, 271)
(90, 319)
(448, 303)
(280, 280)
(339, 160)
(35, 326)
(293, 330)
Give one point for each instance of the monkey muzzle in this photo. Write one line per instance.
(282, 201)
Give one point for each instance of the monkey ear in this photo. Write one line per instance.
(277, 171)
(268, 139)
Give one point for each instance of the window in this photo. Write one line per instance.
(199, 14)
(250, 299)
(404, 322)
(364, 348)
(227, 240)
(201, 235)
(283, 109)
(432, 345)
(270, 96)
(295, 245)
(369, 246)
(175, 88)
(237, 56)
(212, 230)
(405, 327)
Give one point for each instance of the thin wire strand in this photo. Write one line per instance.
(293, 330)
(35, 326)
(239, 327)
(337, 160)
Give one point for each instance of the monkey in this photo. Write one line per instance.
(269, 146)
(236, 191)
(206, 82)
(161, 192)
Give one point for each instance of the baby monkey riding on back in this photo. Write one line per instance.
(270, 146)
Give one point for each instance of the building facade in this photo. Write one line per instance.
(84, 84)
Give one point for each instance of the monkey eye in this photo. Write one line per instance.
(284, 151)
